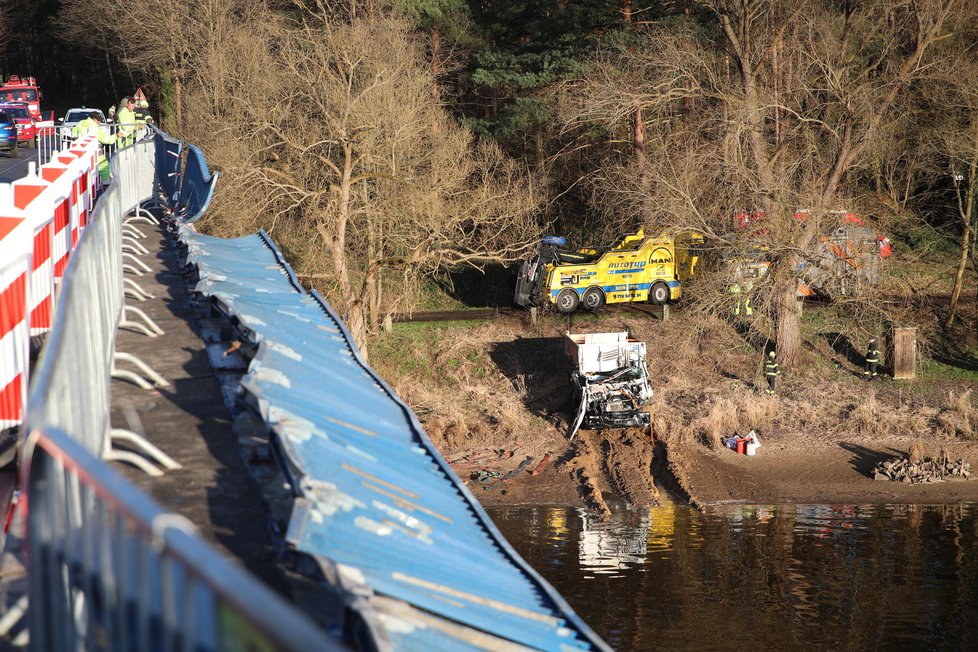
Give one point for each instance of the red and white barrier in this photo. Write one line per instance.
(15, 263)
(69, 172)
(39, 198)
(86, 182)
(57, 173)
(41, 217)
(77, 165)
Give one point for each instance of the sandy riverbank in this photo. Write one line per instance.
(495, 400)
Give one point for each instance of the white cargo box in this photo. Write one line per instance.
(595, 353)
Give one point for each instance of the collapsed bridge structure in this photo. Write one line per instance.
(376, 506)
(413, 560)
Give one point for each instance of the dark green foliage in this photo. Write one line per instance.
(448, 16)
(525, 48)
(70, 74)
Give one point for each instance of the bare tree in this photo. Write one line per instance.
(171, 40)
(953, 96)
(4, 29)
(340, 157)
(762, 137)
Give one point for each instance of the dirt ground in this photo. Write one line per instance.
(821, 436)
(786, 469)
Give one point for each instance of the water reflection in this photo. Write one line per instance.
(784, 577)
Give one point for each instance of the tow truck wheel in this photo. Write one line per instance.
(13, 151)
(593, 299)
(567, 301)
(32, 143)
(659, 294)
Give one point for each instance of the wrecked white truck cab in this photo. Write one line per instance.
(609, 374)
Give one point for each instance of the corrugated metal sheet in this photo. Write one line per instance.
(376, 499)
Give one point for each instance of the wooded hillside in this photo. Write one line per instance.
(384, 143)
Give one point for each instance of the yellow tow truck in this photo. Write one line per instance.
(639, 268)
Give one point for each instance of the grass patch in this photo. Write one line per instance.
(935, 369)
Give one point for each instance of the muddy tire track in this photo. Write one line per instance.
(628, 456)
(585, 468)
(620, 460)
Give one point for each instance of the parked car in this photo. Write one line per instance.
(76, 115)
(26, 129)
(8, 134)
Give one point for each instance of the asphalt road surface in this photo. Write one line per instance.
(12, 168)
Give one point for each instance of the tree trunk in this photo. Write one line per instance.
(372, 280)
(776, 76)
(967, 212)
(785, 309)
(178, 100)
(541, 151)
(638, 121)
(638, 141)
(435, 72)
(352, 304)
(959, 275)
(108, 66)
(435, 63)
(787, 314)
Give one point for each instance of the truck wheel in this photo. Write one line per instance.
(659, 294)
(32, 143)
(593, 299)
(567, 301)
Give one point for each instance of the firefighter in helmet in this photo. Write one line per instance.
(142, 112)
(771, 371)
(741, 290)
(872, 360)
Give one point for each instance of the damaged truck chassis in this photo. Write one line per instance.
(610, 376)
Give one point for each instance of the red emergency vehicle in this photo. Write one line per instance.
(26, 125)
(18, 89)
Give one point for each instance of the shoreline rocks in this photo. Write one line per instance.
(929, 470)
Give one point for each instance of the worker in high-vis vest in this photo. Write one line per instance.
(742, 299)
(92, 126)
(126, 118)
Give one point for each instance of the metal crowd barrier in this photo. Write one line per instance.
(41, 218)
(109, 570)
(77, 362)
(55, 138)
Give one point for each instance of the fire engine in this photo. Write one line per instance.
(839, 264)
(18, 89)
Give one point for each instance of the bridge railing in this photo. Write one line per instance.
(109, 570)
(54, 138)
(78, 358)
(42, 217)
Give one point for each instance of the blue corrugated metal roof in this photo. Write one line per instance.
(378, 501)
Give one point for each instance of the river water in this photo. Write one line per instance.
(783, 577)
